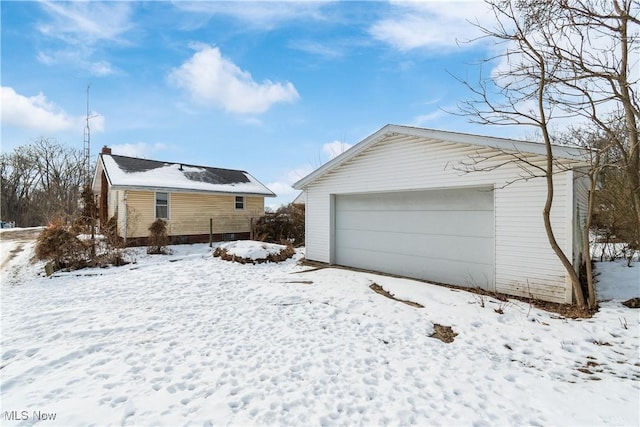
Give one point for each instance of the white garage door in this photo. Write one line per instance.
(441, 235)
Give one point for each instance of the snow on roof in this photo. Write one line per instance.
(131, 172)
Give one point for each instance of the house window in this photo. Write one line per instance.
(239, 202)
(162, 205)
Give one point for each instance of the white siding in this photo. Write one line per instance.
(525, 263)
(581, 205)
(115, 208)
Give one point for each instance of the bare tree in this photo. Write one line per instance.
(563, 59)
(40, 182)
(599, 147)
(613, 200)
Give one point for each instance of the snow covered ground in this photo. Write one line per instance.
(188, 339)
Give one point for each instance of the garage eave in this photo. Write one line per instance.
(508, 145)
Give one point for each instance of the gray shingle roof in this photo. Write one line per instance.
(208, 174)
(131, 172)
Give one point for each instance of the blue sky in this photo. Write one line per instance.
(273, 88)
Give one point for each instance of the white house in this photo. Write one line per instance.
(401, 202)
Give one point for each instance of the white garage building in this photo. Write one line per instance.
(399, 202)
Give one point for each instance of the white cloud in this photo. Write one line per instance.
(320, 49)
(86, 22)
(262, 14)
(34, 112)
(81, 26)
(96, 122)
(139, 149)
(282, 186)
(431, 24)
(81, 57)
(425, 119)
(335, 148)
(101, 68)
(214, 80)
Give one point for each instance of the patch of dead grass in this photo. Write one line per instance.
(443, 333)
(379, 290)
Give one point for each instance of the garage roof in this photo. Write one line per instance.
(509, 145)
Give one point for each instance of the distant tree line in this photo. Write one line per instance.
(614, 217)
(40, 182)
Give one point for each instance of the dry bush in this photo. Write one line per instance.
(287, 252)
(158, 238)
(110, 232)
(59, 243)
(283, 255)
(114, 244)
(84, 219)
(62, 247)
(284, 225)
(613, 219)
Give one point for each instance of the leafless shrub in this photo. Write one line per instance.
(110, 232)
(502, 305)
(623, 322)
(480, 299)
(158, 237)
(62, 247)
(285, 226)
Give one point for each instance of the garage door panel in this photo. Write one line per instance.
(452, 272)
(437, 200)
(441, 235)
(459, 223)
(434, 247)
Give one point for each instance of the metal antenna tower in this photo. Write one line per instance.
(87, 143)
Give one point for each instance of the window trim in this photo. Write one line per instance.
(155, 205)
(243, 201)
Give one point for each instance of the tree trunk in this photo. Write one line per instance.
(586, 242)
(546, 214)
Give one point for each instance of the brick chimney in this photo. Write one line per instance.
(105, 150)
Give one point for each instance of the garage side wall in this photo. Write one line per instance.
(525, 265)
(581, 206)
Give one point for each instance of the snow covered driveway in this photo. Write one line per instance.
(191, 339)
